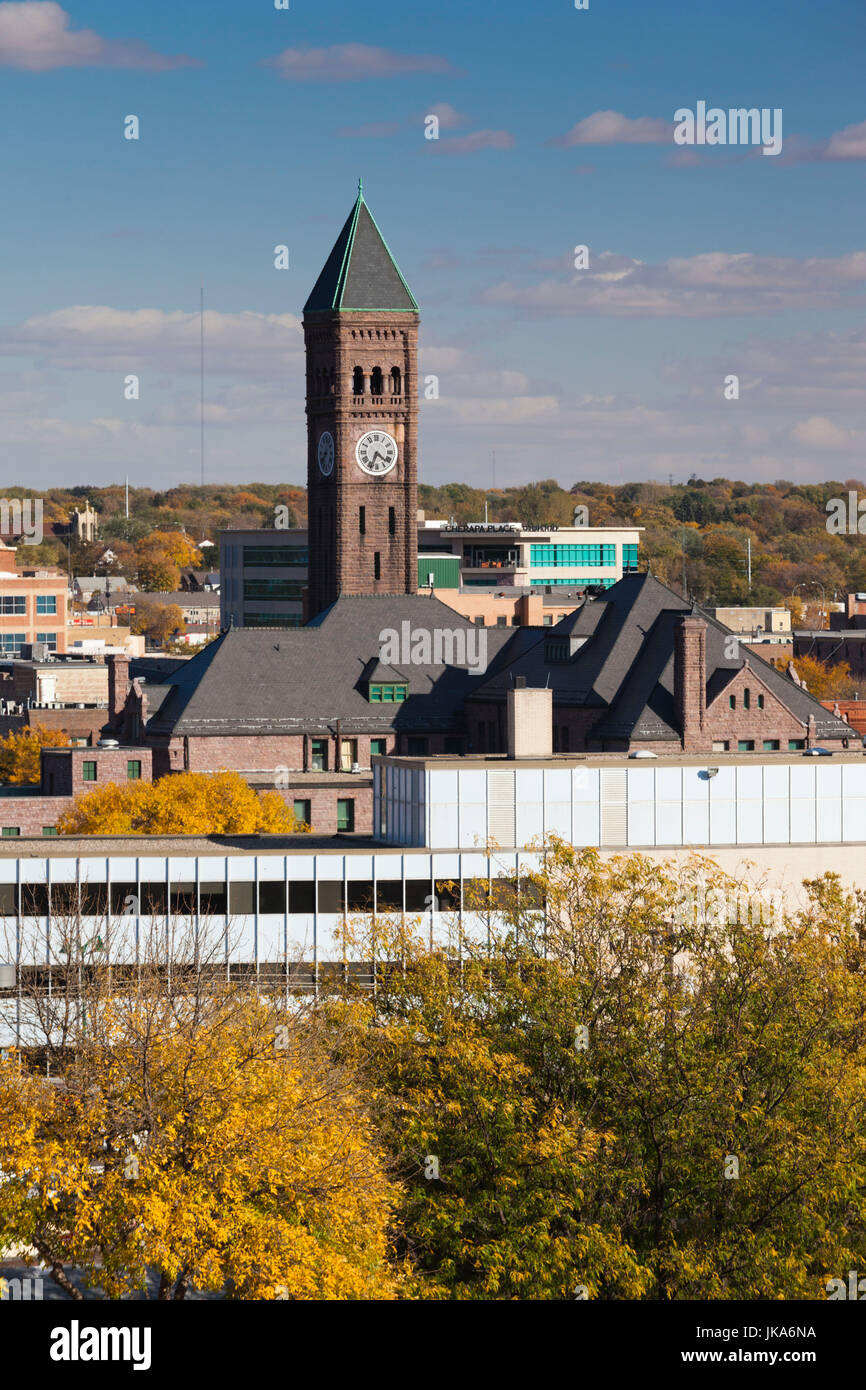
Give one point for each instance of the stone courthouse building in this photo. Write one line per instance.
(637, 668)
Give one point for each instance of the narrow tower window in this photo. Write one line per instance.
(392, 522)
(396, 381)
(362, 521)
(377, 565)
(358, 381)
(377, 385)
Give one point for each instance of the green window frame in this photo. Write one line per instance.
(88, 772)
(345, 814)
(133, 770)
(388, 694)
(378, 747)
(301, 810)
(50, 830)
(10, 831)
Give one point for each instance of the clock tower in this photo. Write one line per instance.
(361, 340)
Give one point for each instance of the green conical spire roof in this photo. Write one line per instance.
(360, 272)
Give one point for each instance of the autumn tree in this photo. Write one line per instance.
(20, 753)
(158, 621)
(628, 1089)
(185, 803)
(193, 1135)
(828, 682)
(157, 574)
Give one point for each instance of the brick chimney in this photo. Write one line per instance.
(118, 687)
(690, 684)
(530, 721)
(7, 559)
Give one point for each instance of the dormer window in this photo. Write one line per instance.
(387, 694)
(556, 649)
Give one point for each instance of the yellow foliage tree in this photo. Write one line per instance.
(159, 621)
(194, 1136)
(186, 803)
(176, 546)
(20, 761)
(826, 682)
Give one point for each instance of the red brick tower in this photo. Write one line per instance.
(361, 338)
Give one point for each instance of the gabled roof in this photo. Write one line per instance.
(295, 680)
(626, 667)
(360, 272)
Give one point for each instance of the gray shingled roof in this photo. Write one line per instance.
(360, 272)
(626, 667)
(258, 681)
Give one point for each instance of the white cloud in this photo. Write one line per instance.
(849, 143)
(352, 62)
(613, 128)
(820, 433)
(448, 118)
(704, 286)
(96, 337)
(36, 37)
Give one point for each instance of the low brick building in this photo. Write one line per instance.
(33, 604)
(66, 774)
(307, 710)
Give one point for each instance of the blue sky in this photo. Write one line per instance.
(555, 130)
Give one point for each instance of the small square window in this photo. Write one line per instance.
(770, 745)
(50, 830)
(794, 744)
(10, 831)
(88, 772)
(378, 747)
(133, 770)
(746, 745)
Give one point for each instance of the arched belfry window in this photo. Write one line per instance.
(396, 381)
(358, 381)
(377, 384)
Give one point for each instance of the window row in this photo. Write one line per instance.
(768, 745)
(12, 605)
(12, 642)
(586, 556)
(90, 770)
(261, 619)
(245, 899)
(376, 381)
(270, 556)
(273, 588)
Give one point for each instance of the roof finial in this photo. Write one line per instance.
(360, 188)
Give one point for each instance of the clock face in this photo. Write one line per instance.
(326, 453)
(376, 452)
